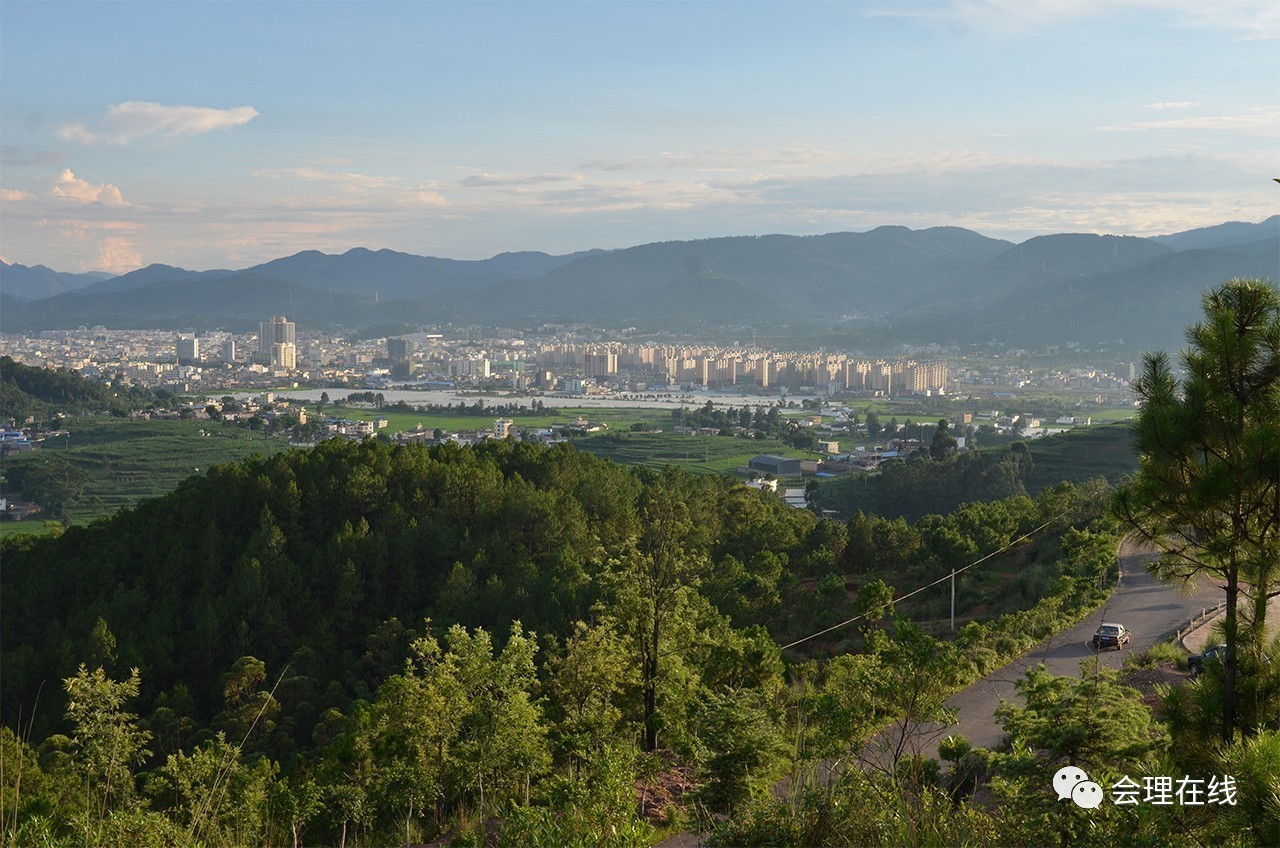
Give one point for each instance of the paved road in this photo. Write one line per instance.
(1150, 609)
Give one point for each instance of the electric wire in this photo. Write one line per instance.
(951, 576)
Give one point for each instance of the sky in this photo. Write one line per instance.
(225, 134)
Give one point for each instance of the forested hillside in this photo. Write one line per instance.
(26, 391)
(917, 486)
(386, 640)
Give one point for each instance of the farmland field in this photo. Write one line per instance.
(125, 461)
(616, 419)
(1081, 454)
(699, 454)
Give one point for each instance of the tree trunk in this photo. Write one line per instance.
(1229, 666)
(649, 672)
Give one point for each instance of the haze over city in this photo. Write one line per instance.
(222, 135)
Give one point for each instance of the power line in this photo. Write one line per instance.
(950, 576)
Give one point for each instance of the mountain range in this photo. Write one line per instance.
(882, 288)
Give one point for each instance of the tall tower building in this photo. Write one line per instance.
(400, 353)
(284, 356)
(277, 343)
(188, 349)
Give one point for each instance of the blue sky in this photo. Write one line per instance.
(226, 134)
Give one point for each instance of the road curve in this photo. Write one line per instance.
(1150, 609)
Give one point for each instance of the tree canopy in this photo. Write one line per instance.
(1207, 491)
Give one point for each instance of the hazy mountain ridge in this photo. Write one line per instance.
(155, 273)
(889, 286)
(38, 281)
(1223, 235)
(392, 274)
(1148, 305)
(785, 277)
(237, 302)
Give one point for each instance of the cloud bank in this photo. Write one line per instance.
(136, 119)
(71, 187)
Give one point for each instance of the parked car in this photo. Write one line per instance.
(1110, 635)
(1195, 662)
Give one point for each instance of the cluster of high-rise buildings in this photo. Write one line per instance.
(277, 345)
(723, 368)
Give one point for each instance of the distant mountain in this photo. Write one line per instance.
(877, 290)
(156, 273)
(1042, 264)
(1148, 305)
(390, 274)
(237, 303)
(23, 283)
(746, 280)
(1223, 235)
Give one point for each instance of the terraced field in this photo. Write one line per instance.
(699, 454)
(126, 461)
(617, 419)
(1082, 454)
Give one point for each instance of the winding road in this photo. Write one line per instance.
(1150, 609)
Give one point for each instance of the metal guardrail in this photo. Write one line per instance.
(1206, 613)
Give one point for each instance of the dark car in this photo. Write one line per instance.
(1110, 635)
(1195, 662)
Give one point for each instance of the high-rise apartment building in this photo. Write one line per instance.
(399, 350)
(600, 363)
(400, 355)
(188, 349)
(284, 356)
(277, 343)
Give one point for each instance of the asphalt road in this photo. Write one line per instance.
(1150, 609)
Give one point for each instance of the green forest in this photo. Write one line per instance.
(365, 644)
(27, 392)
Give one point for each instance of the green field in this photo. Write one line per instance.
(18, 528)
(1082, 454)
(126, 461)
(617, 419)
(699, 454)
(1108, 416)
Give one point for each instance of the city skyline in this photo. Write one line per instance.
(223, 135)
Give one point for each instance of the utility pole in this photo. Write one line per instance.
(953, 600)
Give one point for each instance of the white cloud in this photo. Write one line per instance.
(1261, 121)
(423, 196)
(1001, 14)
(118, 255)
(13, 195)
(1174, 104)
(1255, 20)
(348, 180)
(1252, 20)
(71, 187)
(359, 190)
(135, 119)
(484, 180)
